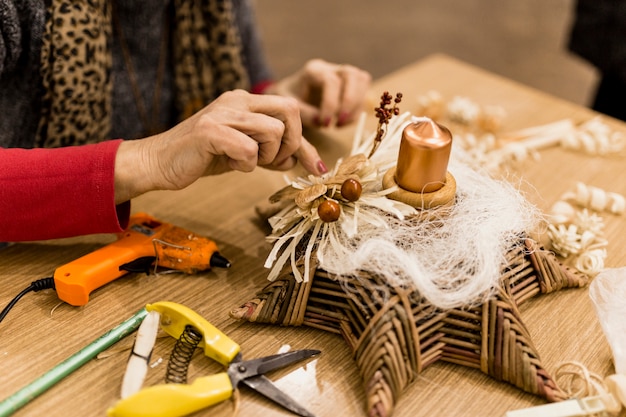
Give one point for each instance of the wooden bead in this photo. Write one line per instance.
(351, 189)
(329, 211)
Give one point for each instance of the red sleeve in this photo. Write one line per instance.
(61, 192)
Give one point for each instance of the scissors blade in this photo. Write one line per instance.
(264, 386)
(240, 370)
(251, 374)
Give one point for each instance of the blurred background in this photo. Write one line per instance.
(524, 40)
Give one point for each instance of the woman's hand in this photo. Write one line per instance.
(327, 93)
(237, 131)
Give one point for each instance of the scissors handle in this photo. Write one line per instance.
(174, 400)
(175, 317)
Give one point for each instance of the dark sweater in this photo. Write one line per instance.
(141, 21)
(599, 35)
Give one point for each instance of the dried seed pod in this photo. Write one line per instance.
(286, 193)
(329, 211)
(351, 189)
(310, 194)
(351, 164)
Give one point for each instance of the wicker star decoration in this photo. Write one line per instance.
(395, 336)
(394, 331)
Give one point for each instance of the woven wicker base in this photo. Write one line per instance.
(394, 333)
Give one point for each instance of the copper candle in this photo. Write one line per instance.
(423, 157)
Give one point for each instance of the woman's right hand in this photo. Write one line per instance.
(237, 131)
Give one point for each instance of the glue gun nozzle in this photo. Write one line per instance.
(219, 261)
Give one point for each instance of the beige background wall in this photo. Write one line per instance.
(524, 40)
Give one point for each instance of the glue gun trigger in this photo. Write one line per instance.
(143, 264)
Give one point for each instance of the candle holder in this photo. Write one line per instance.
(421, 174)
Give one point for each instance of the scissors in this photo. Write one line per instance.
(180, 399)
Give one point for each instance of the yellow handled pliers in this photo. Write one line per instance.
(179, 399)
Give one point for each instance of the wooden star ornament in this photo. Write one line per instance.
(395, 334)
(394, 331)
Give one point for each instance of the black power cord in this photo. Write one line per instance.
(35, 286)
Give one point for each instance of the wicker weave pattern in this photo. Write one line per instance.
(394, 333)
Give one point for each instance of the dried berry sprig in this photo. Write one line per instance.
(384, 113)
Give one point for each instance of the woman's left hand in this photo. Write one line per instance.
(328, 94)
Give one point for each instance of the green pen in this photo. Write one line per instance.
(31, 391)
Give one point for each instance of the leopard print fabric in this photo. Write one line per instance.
(76, 65)
(196, 82)
(75, 69)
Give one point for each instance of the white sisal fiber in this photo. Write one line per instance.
(454, 259)
(453, 262)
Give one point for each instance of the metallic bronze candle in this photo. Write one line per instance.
(423, 157)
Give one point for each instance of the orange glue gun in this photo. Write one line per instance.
(146, 243)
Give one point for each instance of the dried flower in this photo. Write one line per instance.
(384, 113)
(340, 201)
(590, 222)
(565, 239)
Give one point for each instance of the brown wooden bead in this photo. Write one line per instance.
(329, 211)
(351, 189)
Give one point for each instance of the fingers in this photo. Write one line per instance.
(251, 129)
(327, 79)
(292, 147)
(259, 137)
(342, 92)
(285, 111)
(307, 156)
(310, 159)
(356, 83)
(237, 131)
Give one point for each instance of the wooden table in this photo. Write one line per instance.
(564, 325)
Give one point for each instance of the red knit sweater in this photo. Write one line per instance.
(62, 192)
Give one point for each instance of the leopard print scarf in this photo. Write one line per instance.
(76, 65)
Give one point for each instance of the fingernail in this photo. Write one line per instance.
(321, 167)
(317, 121)
(343, 118)
(327, 121)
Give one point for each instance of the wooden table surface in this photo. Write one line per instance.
(564, 325)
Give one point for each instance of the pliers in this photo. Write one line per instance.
(179, 399)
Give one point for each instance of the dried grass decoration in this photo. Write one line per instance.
(404, 289)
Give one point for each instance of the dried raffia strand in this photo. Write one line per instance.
(430, 105)
(591, 262)
(463, 110)
(596, 199)
(490, 119)
(579, 233)
(55, 307)
(595, 138)
(577, 381)
(236, 401)
(562, 212)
